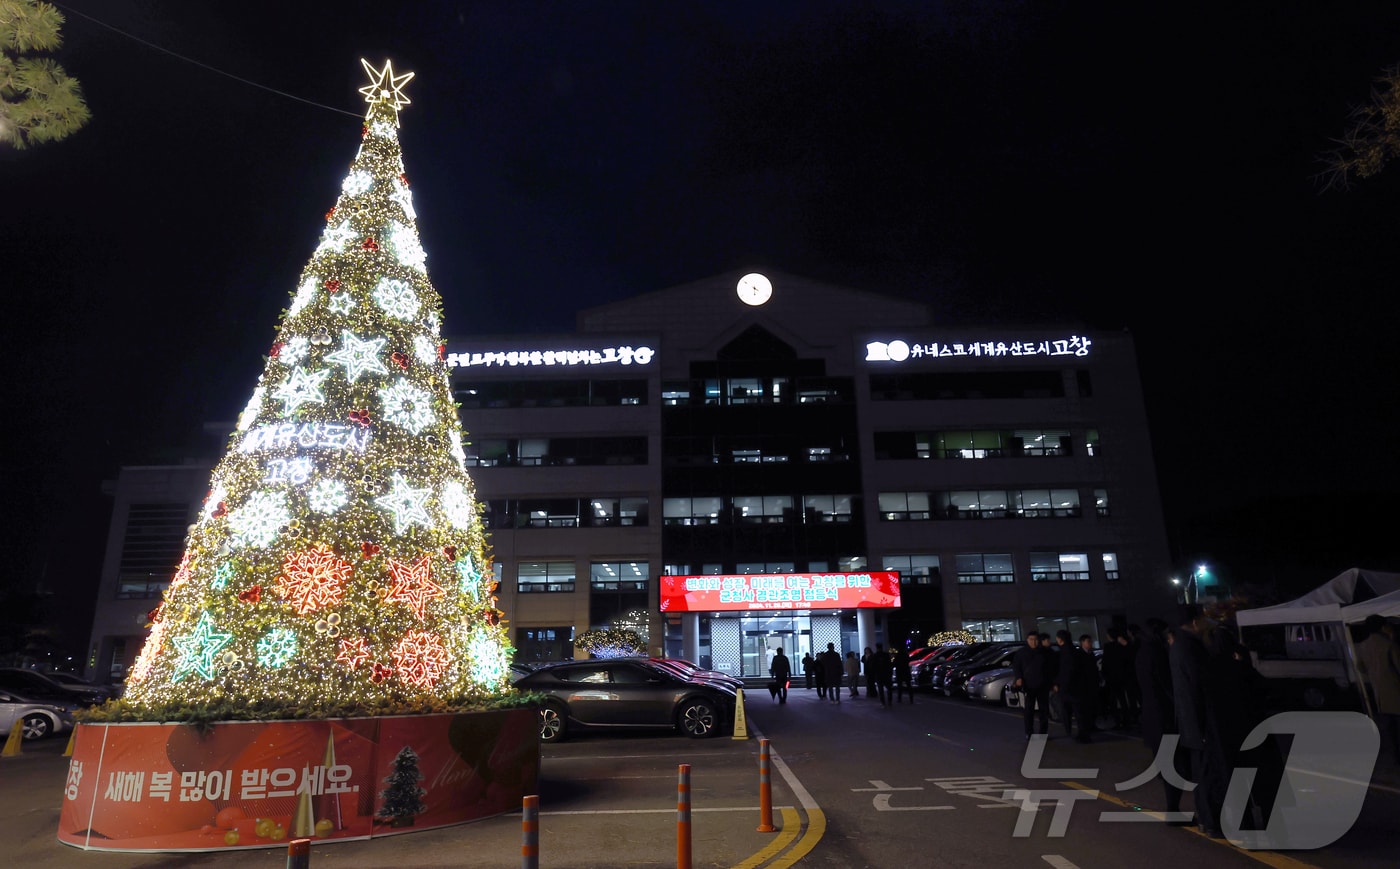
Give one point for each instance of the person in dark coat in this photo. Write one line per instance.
(1193, 687)
(1076, 685)
(1032, 668)
(903, 675)
(1246, 686)
(1132, 640)
(832, 671)
(809, 669)
(781, 671)
(1158, 715)
(1116, 666)
(882, 670)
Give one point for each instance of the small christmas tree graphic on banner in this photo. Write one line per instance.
(339, 560)
(403, 797)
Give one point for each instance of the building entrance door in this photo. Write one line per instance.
(764, 635)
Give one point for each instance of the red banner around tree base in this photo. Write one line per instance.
(169, 787)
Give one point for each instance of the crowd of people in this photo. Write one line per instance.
(887, 675)
(1191, 687)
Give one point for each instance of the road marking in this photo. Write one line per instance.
(1352, 781)
(816, 819)
(1057, 861)
(791, 826)
(1268, 858)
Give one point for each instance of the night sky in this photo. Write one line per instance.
(1151, 168)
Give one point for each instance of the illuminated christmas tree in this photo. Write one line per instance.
(339, 559)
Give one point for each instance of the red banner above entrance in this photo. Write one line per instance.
(780, 591)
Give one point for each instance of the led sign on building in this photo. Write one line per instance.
(780, 591)
(900, 351)
(516, 358)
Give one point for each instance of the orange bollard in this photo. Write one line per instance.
(765, 791)
(683, 818)
(530, 833)
(299, 854)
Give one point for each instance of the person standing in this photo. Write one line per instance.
(865, 668)
(1073, 669)
(832, 669)
(1115, 677)
(853, 672)
(1158, 716)
(809, 669)
(819, 673)
(1031, 668)
(903, 676)
(880, 668)
(1378, 659)
(781, 671)
(1191, 691)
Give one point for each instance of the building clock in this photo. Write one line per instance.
(754, 289)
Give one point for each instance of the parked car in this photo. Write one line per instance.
(993, 657)
(958, 655)
(42, 689)
(627, 693)
(694, 671)
(922, 670)
(78, 683)
(40, 719)
(990, 685)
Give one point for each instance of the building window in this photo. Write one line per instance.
(761, 567)
(763, 510)
(547, 513)
(690, 511)
(994, 630)
(851, 563)
(977, 504)
(1100, 502)
(827, 508)
(140, 588)
(604, 512)
(978, 567)
(1077, 626)
(545, 576)
(544, 644)
(1110, 565)
(1042, 442)
(903, 506)
(1047, 503)
(914, 569)
(1091, 442)
(624, 576)
(1059, 567)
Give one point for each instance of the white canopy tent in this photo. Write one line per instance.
(1348, 597)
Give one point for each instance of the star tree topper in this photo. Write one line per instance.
(385, 87)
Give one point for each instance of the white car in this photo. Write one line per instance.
(40, 719)
(991, 685)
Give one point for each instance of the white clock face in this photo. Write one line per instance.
(755, 289)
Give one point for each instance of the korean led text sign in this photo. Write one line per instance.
(516, 358)
(900, 351)
(780, 591)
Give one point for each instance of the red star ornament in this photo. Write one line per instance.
(353, 653)
(413, 584)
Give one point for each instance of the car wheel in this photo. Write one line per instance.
(552, 723)
(37, 726)
(697, 718)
